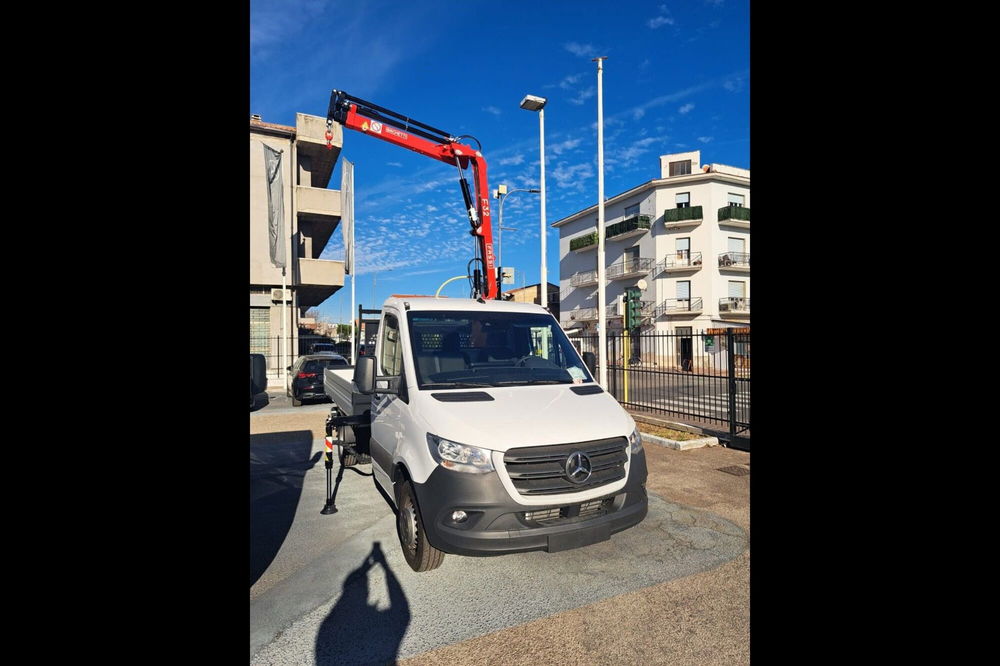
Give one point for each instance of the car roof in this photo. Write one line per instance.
(318, 355)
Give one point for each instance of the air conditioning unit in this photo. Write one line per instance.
(277, 295)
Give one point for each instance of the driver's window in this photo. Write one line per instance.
(392, 350)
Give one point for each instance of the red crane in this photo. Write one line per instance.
(357, 114)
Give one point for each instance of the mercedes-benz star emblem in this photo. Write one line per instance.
(577, 467)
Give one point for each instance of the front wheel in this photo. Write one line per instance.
(419, 553)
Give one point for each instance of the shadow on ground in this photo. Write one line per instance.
(357, 632)
(278, 464)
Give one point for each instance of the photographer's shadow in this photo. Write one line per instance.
(355, 631)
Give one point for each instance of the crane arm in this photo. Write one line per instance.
(357, 114)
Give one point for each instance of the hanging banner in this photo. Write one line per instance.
(347, 214)
(275, 205)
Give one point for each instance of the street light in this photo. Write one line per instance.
(533, 103)
(501, 193)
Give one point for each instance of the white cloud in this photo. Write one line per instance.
(492, 109)
(583, 96)
(684, 109)
(508, 161)
(568, 82)
(579, 49)
(568, 144)
(733, 84)
(705, 139)
(655, 23)
(637, 114)
(394, 164)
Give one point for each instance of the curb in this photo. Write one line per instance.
(678, 445)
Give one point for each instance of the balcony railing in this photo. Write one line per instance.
(629, 266)
(629, 224)
(734, 214)
(583, 278)
(734, 260)
(584, 241)
(580, 314)
(678, 306)
(625, 229)
(734, 304)
(682, 259)
(691, 213)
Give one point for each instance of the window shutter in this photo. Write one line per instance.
(684, 290)
(737, 289)
(737, 244)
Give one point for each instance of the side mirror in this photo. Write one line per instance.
(258, 373)
(590, 360)
(364, 374)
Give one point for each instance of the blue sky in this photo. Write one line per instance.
(677, 78)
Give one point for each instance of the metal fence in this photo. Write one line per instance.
(704, 375)
(271, 349)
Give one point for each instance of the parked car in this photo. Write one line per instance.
(306, 376)
(319, 347)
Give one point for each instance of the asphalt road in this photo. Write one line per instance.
(278, 402)
(335, 589)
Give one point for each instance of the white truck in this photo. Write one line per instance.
(486, 429)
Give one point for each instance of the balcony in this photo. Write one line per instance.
(629, 268)
(310, 141)
(738, 306)
(318, 279)
(678, 306)
(580, 314)
(627, 228)
(682, 261)
(583, 279)
(737, 262)
(735, 216)
(674, 218)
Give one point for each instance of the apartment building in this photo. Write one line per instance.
(311, 214)
(530, 294)
(686, 233)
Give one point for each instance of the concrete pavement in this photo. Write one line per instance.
(680, 597)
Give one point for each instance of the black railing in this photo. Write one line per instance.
(682, 259)
(681, 214)
(702, 376)
(735, 303)
(734, 213)
(678, 306)
(727, 259)
(636, 265)
(271, 349)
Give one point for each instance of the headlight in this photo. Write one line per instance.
(635, 439)
(459, 457)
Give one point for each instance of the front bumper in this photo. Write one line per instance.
(497, 524)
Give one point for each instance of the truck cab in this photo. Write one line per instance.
(490, 435)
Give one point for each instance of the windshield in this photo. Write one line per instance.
(469, 349)
(317, 365)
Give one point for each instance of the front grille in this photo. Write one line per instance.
(540, 470)
(572, 513)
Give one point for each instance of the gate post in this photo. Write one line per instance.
(731, 371)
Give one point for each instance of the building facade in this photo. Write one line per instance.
(686, 233)
(529, 294)
(311, 214)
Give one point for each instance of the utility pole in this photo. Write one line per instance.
(602, 328)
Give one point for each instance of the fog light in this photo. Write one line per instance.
(459, 517)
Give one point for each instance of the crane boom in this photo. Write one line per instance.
(357, 114)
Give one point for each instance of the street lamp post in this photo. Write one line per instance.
(533, 103)
(502, 195)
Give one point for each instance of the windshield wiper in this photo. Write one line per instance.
(455, 385)
(521, 382)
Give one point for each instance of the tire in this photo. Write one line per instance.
(419, 553)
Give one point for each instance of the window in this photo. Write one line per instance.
(683, 200)
(737, 244)
(737, 289)
(680, 168)
(683, 247)
(632, 254)
(736, 200)
(683, 291)
(392, 350)
(632, 210)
